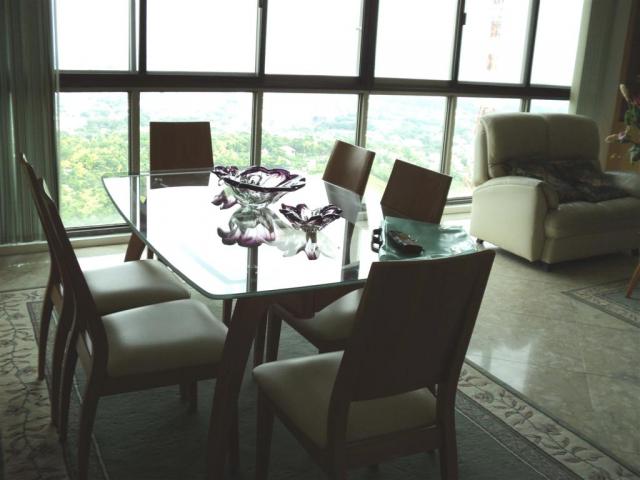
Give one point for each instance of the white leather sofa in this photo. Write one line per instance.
(523, 215)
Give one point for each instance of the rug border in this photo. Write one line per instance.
(472, 364)
(572, 294)
(553, 417)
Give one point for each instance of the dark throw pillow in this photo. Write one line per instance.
(543, 170)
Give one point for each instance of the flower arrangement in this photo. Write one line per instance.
(631, 134)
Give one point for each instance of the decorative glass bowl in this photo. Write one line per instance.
(307, 220)
(259, 186)
(250, 227)
(310, 222)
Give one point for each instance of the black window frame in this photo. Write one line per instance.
(138, 80)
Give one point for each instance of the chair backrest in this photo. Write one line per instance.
(179, 145)
(415, 192)
(349, 167)
(85, 314)
(413, 326)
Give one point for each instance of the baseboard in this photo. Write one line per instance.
(84, 242)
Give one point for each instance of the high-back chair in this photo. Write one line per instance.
(416, 193)
(392, 391)
(412, 192)
(179, 145)
(349, 167)
(174, 146)
(146, 347)
(115, 288)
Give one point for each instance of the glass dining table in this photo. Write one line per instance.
(256, 257)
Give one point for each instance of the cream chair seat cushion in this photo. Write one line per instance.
(334, 322)
(301, 388)
(164, 336)
(133, 284)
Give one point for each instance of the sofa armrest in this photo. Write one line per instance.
(510, 213)
(536, 186)
(627, 181)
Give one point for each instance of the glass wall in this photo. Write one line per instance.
(93, 142)
(280, 81)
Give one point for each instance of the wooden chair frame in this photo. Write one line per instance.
(87, 341)
(416, 350)
(412, 192)
(349, 167)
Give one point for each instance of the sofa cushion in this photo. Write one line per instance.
(574, 178)
(583, 218)
(511, 136)
(588, 179)
(543, 170)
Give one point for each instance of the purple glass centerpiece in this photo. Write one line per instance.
(259, 186)
(250, 227)
(310, 221)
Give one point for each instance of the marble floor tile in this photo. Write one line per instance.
(528, 339)
(611, 352)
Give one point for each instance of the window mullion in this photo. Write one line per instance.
(261, 47)
(256, 128)
(457, 41)
(531, 41)
(142, 59)
(361, 126)
(368, 35)
(134, 131)
(449, 129)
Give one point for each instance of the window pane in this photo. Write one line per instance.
(229, 115)
(299, 129)
(493, 41)
(468, 112)
(402, 127)
(415, 39)
(93, 34)
(93, 142)
(549, 106)
(307, 37)
(202, 35)
(557, 34)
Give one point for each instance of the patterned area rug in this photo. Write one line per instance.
(150, 435)
(610, 298)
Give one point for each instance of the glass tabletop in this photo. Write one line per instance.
(230, 251)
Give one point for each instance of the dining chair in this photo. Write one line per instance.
(412, 192)
(174, 342)
(392, 391)
(349, 166)
(174, 146)
(114, 289)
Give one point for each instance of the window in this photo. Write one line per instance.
(307, 37)
(468, 112)
(202, 35)
(93, 34)
(93, 142)
(415, 39)
(549, 106)
(229, 115)
(408, 128)
(280, 81)
(493, 41)
(299, 129)
(556, 42)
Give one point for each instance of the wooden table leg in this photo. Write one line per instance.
(634, 281)
(247, 315)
